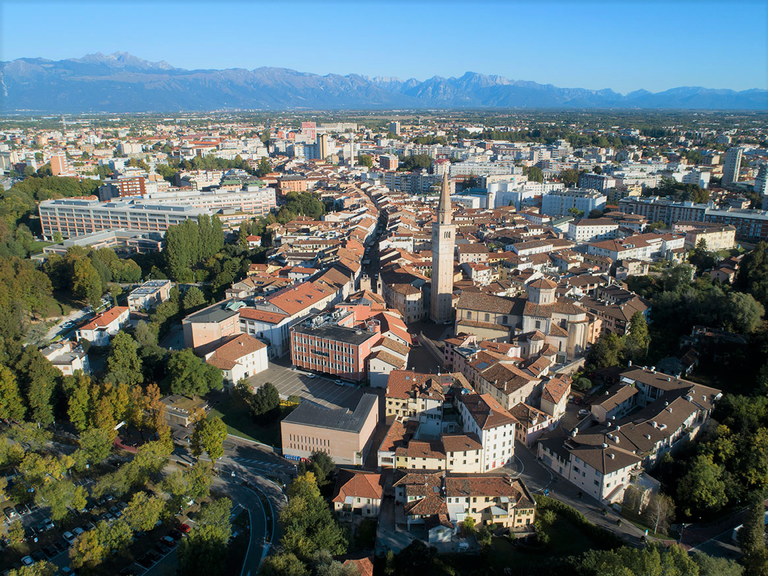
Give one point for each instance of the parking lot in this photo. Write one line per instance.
(319, 389)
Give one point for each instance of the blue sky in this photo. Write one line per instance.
(625, 46)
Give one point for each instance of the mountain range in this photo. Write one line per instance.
(123, 83)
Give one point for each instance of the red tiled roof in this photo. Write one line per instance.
(358, 485)
(105, 318)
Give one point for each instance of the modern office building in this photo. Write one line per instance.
(346, 436)
(77, 216)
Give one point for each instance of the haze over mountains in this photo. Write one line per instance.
(123, 83)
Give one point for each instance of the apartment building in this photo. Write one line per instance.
(492, 424)
(100, 329)
(67, 357)
(592, 230)
(322, 345)
(149, 295)
(558, 203)
(237, 357)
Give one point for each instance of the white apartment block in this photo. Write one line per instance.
(492, 424)
(558, 203)
(592, 230)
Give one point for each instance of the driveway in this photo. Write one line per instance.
(316, 388)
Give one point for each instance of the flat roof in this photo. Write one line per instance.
(310, 414)
(355, 336)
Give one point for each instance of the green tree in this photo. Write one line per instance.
(193, 298)
(209, 436)
(204, 551)
(38, 380)
(123, 362)
(86, 282)
(575, 212)
(283, 564)
(468, 525)
(713, 566)
(321, 465)
(192, 376)
(79, 400)
(653, 560)
(16, 532)
(11, 404)
(743, 314)
(266, 400)
(143, 511)
(307, 522)
(753, 274)
(636, 342)
(145, 335)
(607, 351)
(97, 444)
(365, 160)
(41, 568)
(60, 496)
(263, 168)
(702, 487)
(535, 174)
(752, 533)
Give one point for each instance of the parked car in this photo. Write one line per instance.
(49, 524)
(69, 537)
(38, 555)
(583, 412)
(77, 531)
(162, 548)
(90, 526)
(184, 529)
(339, 383)
(153, 555)
(27, 561)
(30, 535)
(50, 551)
(169, 541)
(10, 513)
(60, 545)
(176, 535)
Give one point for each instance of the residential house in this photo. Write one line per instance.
(100, 329)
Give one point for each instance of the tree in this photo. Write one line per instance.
(743, 314)
(702, 487)
(209, 436)
(263, 168)
(16, 532)
(97, 444)
(60, 496)
(307, 522)
(266, 400)
(654, 560)
(38, 380)
(145, 335)
(322, 465)
(365, 160)
(11, 404)
(659, 511)
(41, 568)
(752, 533)
(283, 564)
(636, 342)
(535, 174)
(575, 212)
(595, 213)
(468, 525)
(123, 362)
(143, 511)
(204, 551)
(752, 277)
(606, 352)
(193, 298)
(714, 566)
(86, 282)
(192, 376)
(657, 225)
(597, 169)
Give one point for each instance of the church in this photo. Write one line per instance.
(443, 242)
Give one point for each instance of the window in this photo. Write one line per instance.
(446, 234)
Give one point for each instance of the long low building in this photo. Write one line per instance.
(346, 436)
(77, 216)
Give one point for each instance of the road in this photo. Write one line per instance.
(538, 478)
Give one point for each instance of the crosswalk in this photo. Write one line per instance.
(262, 464)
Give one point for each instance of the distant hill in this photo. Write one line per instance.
(123, 83)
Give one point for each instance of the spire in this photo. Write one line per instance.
(444, 208)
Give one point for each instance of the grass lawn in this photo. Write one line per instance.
(241, 422)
